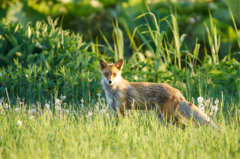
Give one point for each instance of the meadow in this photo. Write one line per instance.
(52, 104)
(92, 132)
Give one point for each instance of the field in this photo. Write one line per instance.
(94, 133)
(51, 101)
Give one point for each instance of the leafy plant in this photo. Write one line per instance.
(43, 60)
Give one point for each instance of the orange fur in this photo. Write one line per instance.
(167, 100)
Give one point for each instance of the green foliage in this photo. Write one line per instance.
(192, 19)
(158, 61)
(90, 16)
(43, 60)
(234, 7)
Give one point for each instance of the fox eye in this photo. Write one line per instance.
(114, 74)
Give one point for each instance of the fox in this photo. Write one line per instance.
(168, 101)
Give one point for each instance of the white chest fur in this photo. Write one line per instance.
(111, 96)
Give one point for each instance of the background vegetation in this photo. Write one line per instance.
(50, 79)
(192, 45)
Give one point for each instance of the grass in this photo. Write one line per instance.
(41, 62)
(93, 132)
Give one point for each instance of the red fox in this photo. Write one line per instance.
(168, 101)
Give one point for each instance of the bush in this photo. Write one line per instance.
(43, 60)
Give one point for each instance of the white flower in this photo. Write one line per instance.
(202, 108)
(89, 114)
(63, 97)
(31, 117)
(66, 110)
(47, 106)
(216, 102)
(200, 100)
(211, 113)
(19, 123)
(102, 111)
(98, 94)
(57, 107)
(17, 109)
(58, 102)
(6, 105)
(215, 108)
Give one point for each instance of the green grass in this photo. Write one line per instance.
(41, 62)
(93, 132)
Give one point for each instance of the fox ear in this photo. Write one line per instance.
(103, 64)
(119, 64)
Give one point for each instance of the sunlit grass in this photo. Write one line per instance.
(94, 132)
(44, 61)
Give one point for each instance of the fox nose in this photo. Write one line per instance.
(110, 82)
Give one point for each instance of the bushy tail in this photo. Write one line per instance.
(187, 111)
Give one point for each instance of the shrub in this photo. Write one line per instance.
(43, 60)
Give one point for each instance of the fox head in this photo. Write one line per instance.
(111, 72)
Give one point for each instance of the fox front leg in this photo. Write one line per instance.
(120, 108)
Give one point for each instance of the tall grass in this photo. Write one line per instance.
(158, 55)
(214, 41)
(93, 132)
